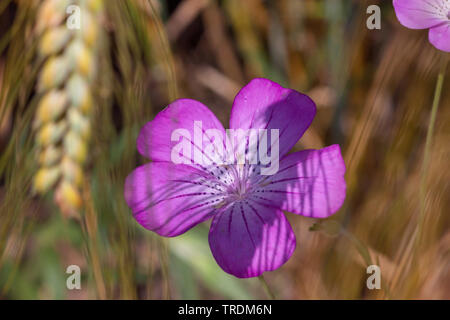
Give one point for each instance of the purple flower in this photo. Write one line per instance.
(427, 14)
(249, 233)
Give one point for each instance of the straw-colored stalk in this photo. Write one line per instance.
(63, 118)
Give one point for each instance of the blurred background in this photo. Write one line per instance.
(62, 170)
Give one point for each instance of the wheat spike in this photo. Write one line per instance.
(62, 121)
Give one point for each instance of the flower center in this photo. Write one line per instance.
(239, 186)
(239, 189)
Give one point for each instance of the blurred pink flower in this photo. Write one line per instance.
(427, 14)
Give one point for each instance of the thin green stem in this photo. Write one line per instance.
(267, 288)
(426, 159)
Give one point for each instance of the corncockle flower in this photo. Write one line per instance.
(201, 171)
(427, 14)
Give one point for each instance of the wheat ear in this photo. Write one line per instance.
(63, 118)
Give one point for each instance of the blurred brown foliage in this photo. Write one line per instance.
(374, 91)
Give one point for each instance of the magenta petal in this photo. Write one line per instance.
(154, 140)
(440, 37)
(310, 183)
(421, 14)
(264, 104)
(248, 239)
(170, 199)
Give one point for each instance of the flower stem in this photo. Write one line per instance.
(267, 288)
(426, 159)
